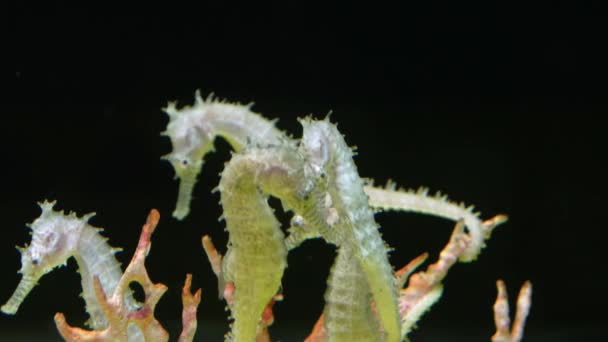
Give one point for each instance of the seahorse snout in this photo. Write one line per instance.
(26, 285)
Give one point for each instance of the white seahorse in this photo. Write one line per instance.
(55, 238)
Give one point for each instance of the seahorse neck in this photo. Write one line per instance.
(96, 258)
(239, 127)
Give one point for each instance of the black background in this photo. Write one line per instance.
(498, 105)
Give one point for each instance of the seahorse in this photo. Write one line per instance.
(56, 237)
(193, 129)
(348, 220)
(256, 255)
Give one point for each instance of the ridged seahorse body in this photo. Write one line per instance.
(55, 238)
(348, 314)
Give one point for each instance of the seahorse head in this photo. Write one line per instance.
(315, 145)
(191, 143)
(54, 239)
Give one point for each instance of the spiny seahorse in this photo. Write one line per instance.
(55, 238)
(349, 221)
(193, 129)
(256, 255)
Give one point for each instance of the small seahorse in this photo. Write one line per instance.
(193, 129)
(55, 238)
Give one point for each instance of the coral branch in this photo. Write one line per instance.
(215, 258)
(404, 272)
(505, 332)
(524, 302)
(424, 288)
(319, 333)
(117, 329)
(120, 317)
(190, 303)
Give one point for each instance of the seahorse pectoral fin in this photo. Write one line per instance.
(26, 285)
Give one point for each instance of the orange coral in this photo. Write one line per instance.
(120, 319)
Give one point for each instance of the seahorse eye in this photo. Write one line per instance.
(184, 162)
(35, 261)
(50, 240)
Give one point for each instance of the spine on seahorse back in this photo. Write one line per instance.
(256, 256)
(351, 218)
(193, 129)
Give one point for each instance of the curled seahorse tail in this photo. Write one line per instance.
(419, 201)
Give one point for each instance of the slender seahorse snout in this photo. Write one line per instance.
(27, 283)
(187, 174)
(35, 262)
